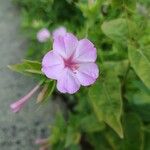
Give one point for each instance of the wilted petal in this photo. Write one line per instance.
(85, 52)
(87, 73)
(68, 83)
(52, 65)
(61, 31)
(18, 105)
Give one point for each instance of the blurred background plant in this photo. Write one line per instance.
(115, 112)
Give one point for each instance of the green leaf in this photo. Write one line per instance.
(27, 67)
(105, 98)
(116, 29)
(146, 141)
(138, 96)
(130, 4)
(90, 124)
(72, 137)
(89, 9)
(75, 147)
(133, 134)
(72, 134)
(98, 141)
(58, 130)
(120, 67)
(143, 111)
(120, 30)
(140, 61)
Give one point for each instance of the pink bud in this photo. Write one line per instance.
(43, 35)
(41, 141)
(18, 105)
(43, 148)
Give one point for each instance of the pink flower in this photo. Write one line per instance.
(43, 35)
(71, 63)
(18, 105)
(61, 31)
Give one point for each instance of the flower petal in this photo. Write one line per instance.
(59, 46)
(66, 45)
(52, 65)
(68, 82)
(85, 52)
(87, 73)
(71, 43)
(61, 31)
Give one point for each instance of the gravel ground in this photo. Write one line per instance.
(18, 131)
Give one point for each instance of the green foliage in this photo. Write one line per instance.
(133, 132)
(27, 67)
(105, 98)
(130, 4)
(120, 34)
(114, 113)
(140, 61)
(90, 124)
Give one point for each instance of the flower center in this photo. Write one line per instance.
(69, 63)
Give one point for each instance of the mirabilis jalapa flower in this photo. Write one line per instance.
(71, 63)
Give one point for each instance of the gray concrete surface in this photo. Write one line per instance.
(17, 131)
